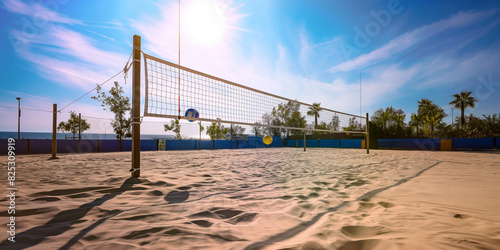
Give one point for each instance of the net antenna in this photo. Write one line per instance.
(172, 89)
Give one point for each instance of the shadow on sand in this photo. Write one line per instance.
(63, 221)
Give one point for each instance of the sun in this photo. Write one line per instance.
(204, 22)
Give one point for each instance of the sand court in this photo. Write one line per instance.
(259, 198)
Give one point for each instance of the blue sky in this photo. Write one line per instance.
(312, 51)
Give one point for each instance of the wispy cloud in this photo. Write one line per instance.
(19, 94)
(103, 36)
(411, 38)
(38, 11)
(70, 58)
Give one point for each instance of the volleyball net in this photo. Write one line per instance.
(172, 90)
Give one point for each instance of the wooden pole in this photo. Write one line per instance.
(54, 132)
(136, 112)
(367, 134)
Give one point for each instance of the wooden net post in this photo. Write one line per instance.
(136, 105)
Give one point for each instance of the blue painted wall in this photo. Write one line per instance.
(20, 146)
(472, 143)
(422, 144)
(333, 143)
(328, 143)
(351, 143)
(41, 146)
(44, 146)
(109, 145)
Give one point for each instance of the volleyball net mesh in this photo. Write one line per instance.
(219, 100)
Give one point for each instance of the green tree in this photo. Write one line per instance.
(73, 125)
(287, 115)
(280, 116)
(399, 116)
(258, 130)
(237, 131)
(334, 123)
(175, 126)
(323, 126)
(201, 128)
(391, 122)
(491, 125)
(314, 111)
(216, 130)
(463, 101)
(381, 118)
(354, 125)
(268, 119)
(120, 105)
(296, 120)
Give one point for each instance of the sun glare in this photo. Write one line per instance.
(205, 22)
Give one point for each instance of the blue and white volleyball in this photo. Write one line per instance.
(192, 114)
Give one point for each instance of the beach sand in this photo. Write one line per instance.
(274, 198)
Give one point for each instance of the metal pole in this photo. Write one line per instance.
(367, 134)
(54, 132)
(18, 117)
(136, 112)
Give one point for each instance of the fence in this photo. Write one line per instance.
(435, 144)
(326, 143)
(44, 146)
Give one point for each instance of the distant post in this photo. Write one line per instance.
(79, 149)
(304, 141)
(18, 117)
(136, 106)
(54, 131)
(367, 134)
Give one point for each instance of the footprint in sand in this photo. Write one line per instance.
(202, 223)
(229, 215)
(155, 193)
(360, 244)
(357, 232)
(47, 199)
(177, 196)
(386, 204)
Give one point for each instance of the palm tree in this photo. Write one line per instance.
(314, 111)
(430, 114)
(434, 115)
(423, 105)
(463, 101)
(416, 121)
